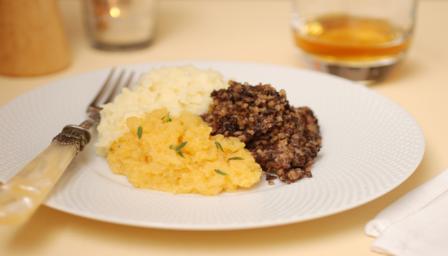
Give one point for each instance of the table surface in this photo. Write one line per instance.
(256, 31)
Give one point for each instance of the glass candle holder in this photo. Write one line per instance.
(120, 24)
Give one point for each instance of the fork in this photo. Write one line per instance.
(26, 191)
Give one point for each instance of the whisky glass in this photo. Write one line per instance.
(361, 40)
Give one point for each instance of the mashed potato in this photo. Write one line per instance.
(177, 154)
(175, 88)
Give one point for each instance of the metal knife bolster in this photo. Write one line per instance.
(73, 135)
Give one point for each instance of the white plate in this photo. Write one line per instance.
(370, 146)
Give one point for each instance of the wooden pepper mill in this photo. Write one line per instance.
(32, 38)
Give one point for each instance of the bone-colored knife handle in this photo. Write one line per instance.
(21, 196)
(26, 191)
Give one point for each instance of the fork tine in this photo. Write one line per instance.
(129, 81)
(116, 88)
(103, 88)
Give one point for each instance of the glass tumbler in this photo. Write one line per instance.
(361, 40)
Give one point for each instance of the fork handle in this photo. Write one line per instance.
(26, 191)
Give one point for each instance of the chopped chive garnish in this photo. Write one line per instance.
(218, 146)
(167, 118)
(235, 158)
(218, 171)
(181, 145)
(139, 132)
(178, 148)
